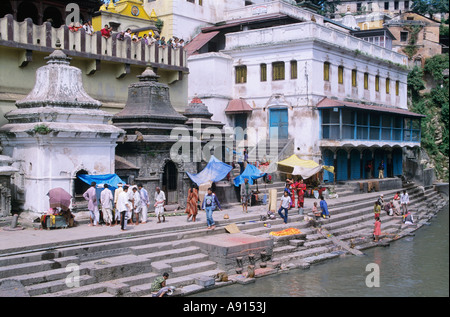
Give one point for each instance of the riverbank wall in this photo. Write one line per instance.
(113, 263)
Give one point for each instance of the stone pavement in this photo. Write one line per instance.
(12, 241)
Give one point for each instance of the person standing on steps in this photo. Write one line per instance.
(123, 205)
(246, 195)
(144, 202)
(404, 202)
(381, 169)
(285, 205)
(192, 201)
(160, 200)
(106, 199)
(324, 207)
(91, 196)
(377, 229)
(377, 209)
(209, 205)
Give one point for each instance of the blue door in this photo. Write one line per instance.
(278, 118)
(397, 161)
(355, 163)
(328, 160)
(342, 165)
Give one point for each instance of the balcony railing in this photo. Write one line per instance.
(28, 36)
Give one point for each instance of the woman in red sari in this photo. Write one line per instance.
(301, 187)
(192, 200)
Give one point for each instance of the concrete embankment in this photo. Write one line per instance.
(111, 263)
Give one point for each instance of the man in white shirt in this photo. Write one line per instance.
(106, 199)
(144, 202)
(404, 201)
(123, 205)
(90, 195)
(137, 204)
(116, 197)
(160, 199)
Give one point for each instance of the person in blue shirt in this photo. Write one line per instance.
(324, 207)
(209, 204)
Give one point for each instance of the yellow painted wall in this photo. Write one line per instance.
(103, 85)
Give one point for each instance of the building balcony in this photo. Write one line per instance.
(29, 37)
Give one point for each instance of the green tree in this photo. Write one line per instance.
(430, 7)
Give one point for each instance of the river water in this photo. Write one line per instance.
(413, 266)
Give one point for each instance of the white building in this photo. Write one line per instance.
(341, 99)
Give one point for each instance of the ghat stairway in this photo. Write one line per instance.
(127, 265)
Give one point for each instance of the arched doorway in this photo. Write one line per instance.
(53, 15)
(27, 10)
(170, 182)
(5, 8)
(79, 186)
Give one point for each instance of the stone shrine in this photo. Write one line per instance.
(149, 119)
(56, 132)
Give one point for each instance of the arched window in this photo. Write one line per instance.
(53, 15)
(27, 10)
(5, 8)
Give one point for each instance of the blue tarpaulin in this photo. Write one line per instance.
(251, 172)
(111, 179)
(214, 171)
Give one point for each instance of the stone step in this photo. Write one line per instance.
(172, 253)
(193, 268)
(115, 289)
(117, 267)
(320, 258)
(58, 285)
(180, 261)
(33, 267)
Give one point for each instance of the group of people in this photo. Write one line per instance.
(369, 169)
(292, 187)
(148, 39)
(398, 206)
(126, 202)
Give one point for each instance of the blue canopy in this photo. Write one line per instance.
(111, 179)
(251, 172)
(214, 171)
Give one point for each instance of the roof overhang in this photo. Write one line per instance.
(237, 106)
(327, 103)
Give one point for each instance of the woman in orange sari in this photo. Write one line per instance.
(191, 206)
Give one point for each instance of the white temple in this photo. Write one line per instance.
(56, 131)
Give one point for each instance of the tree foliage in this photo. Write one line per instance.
(435, 106)
(430, 7)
